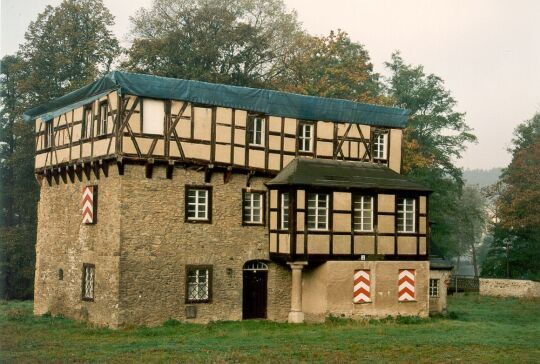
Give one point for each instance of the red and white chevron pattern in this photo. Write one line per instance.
(88, 205)
(406, 285)
(362, 286)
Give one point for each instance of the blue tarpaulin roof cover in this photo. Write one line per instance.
(269, 102)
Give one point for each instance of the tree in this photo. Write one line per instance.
(67, 47)
(242, 42)
(472, 219)
(332, 66)
(515, 251)
(436, 135)
(18, 193)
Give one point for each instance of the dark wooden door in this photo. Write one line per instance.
(255, 294)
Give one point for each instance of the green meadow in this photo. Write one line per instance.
(478, 329)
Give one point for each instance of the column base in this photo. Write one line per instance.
(296, 317)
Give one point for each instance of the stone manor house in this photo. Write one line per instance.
(172, 199)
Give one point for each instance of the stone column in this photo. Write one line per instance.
(296, 315)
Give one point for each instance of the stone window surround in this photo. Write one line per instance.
(207, 267)
(263, 207)
(92, 267)
(209, 203)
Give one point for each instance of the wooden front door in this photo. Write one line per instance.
(255, 294)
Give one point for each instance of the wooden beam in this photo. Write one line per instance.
(208, 173)
(120, 165)
(71, 173)
(227, 175)
(149, 168)
(170, 169)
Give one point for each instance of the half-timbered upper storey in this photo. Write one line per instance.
(151, 119)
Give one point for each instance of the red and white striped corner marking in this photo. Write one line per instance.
(406, 285)
(362, 283)
(88, 205)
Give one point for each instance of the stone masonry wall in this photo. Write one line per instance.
(157, 245)
(440, 304)
(64, 243)
(509, 287)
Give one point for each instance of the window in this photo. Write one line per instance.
(318, 211)
(88, 282)
(253, 206)
(198, 203)
(49, 134)
(434, 288)
(256, 131)
(305, 137)
(363, 213)
(406, 213)
(284, 211)
(380, 141)
(86, 128)
(60, 274)
(198, 284)
(103, 116)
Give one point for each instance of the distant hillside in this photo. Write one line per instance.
(481, 177)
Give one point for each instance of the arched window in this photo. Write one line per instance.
(255, 265)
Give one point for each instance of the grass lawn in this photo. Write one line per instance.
(479, 329)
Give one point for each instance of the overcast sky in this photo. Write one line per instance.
(487, 51)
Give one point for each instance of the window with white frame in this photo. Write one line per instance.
(305, 137)
(406, 210)
(284, 211)
(198, 283)
(253, 203)
(434, 287)
(86, 128)
(88, 282)
(103, 115)
(197, 204)
(256, 131)
(363, 213)
(317, 209)
(380, 145)
(48, 140)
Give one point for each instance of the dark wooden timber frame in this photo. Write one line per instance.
(190, 268)
(263, 208)
(83, 282)
(128, 106)
(209, 203)
(292, 231)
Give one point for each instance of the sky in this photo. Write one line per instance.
(486, 51)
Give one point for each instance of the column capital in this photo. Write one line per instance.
(297, 265)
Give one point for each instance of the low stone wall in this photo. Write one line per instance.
(509, 287)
